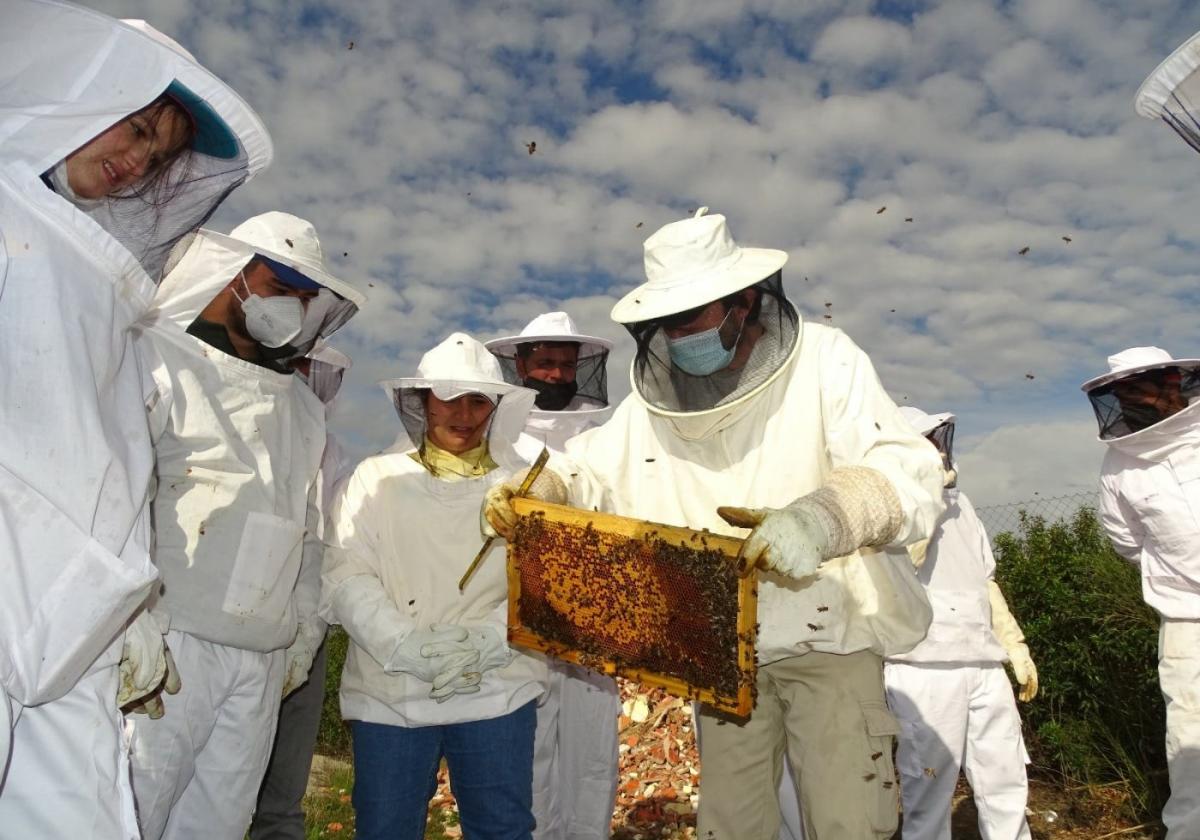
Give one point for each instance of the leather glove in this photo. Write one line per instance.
(497, 518)
(790, 541)
(152, 704)
(143, 659)
(1012, 639)
(455, 678)
(300, 659)
(427, 653)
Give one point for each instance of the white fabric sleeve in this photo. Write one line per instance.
(352, 592)
(863, 428)
(56, 617)
(311, 627)
(1120, 523)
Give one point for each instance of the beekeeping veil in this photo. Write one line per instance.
(937, 428)
(461, 365)
(1143, 387)
(327, 367)
(68, 74)
(591, 371)
(1172, 92)
(689, 264)
(204, 264)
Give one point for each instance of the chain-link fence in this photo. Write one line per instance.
(999, 518)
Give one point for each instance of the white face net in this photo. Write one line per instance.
(149, 218)
(943, 438)
(664, 386)
(1138, 401)
(590, 389)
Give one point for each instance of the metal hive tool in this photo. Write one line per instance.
(655, 603)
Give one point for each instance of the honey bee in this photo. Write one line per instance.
(531, 146)
(880, 210)
(1024, 251)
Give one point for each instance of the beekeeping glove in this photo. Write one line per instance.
(1008, 632)
(426, 653)
(855, 507)
(300, 657)
(498, 517)
(143, 659)
(152, 704)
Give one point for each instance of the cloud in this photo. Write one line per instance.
(993, 126)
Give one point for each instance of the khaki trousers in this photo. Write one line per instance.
(827, 713)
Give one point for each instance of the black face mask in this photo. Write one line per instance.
(551, 396)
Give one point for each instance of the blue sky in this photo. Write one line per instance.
(994, 126)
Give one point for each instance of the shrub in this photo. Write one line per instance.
(1099, 716)
(333, 738)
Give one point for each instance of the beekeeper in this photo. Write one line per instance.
(429, 674)
(114, 142)
(279, 812)
(1172, 92)
(239, 439)
(736, 402)
(575, 758)
(950, 692)
(1147, 412)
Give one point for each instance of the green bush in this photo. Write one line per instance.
(333, 738)
(1099, 716)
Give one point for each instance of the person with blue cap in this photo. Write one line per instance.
(114, 144)
(239, 439)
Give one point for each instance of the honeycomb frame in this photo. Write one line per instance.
(731, 604)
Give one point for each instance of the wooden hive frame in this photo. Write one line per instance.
(701, 543)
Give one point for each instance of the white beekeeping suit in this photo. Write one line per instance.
(950, 692)
(575, 757)
(1150, 507)
(794, 426)
(237, 542)
(75, 453)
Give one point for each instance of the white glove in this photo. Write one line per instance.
(791, 541)
(152, 703)
(1012, 639)
(497, 518)
(143, 659)
(300, 659)
(426, 654)
(494, 652)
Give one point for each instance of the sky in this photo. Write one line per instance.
(904, 153)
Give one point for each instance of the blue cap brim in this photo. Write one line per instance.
(213, 137)
(291, 276)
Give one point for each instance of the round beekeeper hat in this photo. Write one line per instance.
(1136, 360)
(459, 365)
(551, 326)
(924, 423)
(1172, 92)
(693, 262)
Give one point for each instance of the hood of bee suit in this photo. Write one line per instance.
(69, 74)
(204, 264)
(461, 365)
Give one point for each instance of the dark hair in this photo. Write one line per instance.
(643, 332)
(526, 348)
(159, 186)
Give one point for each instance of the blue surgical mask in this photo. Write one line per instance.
(702, 353)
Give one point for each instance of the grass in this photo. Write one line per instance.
(328, 814)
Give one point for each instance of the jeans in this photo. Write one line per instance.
(491, 776)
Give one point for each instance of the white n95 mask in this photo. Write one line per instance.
(272, 321)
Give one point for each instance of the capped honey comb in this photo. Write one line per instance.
(655, 603)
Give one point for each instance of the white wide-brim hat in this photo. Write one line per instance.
(1136, 360)
(291, 243)
(693, 262)
(551, 326)
(459, 365)
(924, 423)
(1154, 98)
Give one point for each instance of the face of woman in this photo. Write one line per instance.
(457, 425)
(129, 151)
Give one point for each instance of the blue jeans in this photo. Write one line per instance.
(491, 776)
